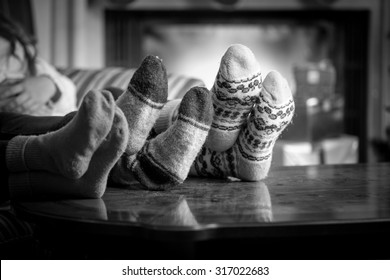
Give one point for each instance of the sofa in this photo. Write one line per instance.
(119, 77)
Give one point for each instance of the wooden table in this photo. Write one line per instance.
(339, 211)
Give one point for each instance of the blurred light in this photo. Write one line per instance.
(311, 102)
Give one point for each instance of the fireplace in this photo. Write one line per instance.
(319, 43)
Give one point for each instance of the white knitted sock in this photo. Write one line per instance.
(235, 90)
(250, 157)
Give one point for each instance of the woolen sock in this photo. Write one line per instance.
(67, 151)
(93, 182)
(250, 157)
(234, 92)
(168, 115)
(166, 160)
(142, 101)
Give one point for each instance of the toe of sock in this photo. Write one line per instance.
(239, 63)
(151, 79)
(197, 105)
(276, 88)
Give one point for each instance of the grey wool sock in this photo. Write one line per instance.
(165, 161)
(168, 115)
(67, 151)
(142, 101)
(92, 184)
(250, 157)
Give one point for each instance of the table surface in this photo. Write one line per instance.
(315, 200)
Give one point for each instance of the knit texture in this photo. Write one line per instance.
(142, 101)
(168, 115)
(15, 153)
(234, 92)
(67, 151)
(250, 157)
(166, 160)
(93, 182)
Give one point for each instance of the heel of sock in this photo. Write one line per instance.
(151, 173)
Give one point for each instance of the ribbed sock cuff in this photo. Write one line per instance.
(19, 185)
(166, 114)
(15, 153)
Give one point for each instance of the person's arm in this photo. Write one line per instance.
(63, 100)
(47, 93)
(27, 96)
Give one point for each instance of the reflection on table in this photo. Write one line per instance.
(318, 194)
(302, 211)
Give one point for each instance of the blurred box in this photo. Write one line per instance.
(340, 150)
(292, 153)
(319, 111)
(315, 120)
(316, 80)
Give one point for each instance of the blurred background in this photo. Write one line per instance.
(333, 53)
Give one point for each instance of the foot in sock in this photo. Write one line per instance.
(250, 157)
(235, 90)
(142, 101)
(93, 182)
(67, 151)
(165, 160)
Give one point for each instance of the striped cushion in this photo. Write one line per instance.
(119, 77)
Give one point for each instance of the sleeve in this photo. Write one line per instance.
(64, 100)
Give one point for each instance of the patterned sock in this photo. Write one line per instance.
(68, 150)
(250, 157)
(235, 90)
(93, 182)
(166, 160)
(142, 101)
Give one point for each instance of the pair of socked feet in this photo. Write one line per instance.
(229, 131)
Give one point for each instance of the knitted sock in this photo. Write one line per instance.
(250, 157)
(166, 160)
(168, 115)
(93, 182)
(141, 103)
(67, 151)
(235, 90)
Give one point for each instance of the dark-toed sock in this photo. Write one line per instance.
(142, 101)
(166, 160)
